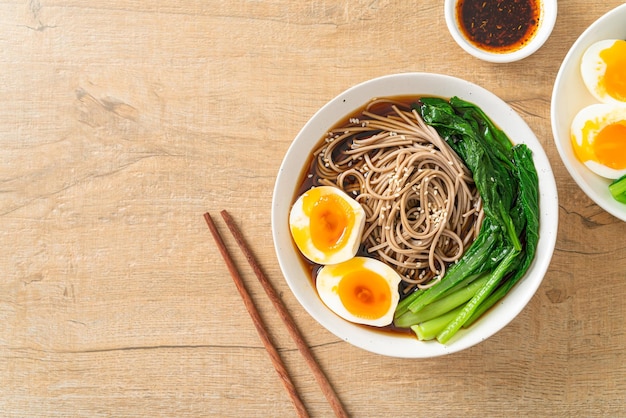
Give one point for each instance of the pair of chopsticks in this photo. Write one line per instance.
(323, 382)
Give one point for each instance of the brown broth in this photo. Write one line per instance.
(499, 26)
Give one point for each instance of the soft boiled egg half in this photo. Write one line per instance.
(603, 70)
(361, 290)
(598, 135)
(327, 225)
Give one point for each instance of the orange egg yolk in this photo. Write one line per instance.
(365, 294)
(331, 219)
(608, 147)
(615, 76)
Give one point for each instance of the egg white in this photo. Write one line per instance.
(330, 276)
(606, 113)
(299, 220)
(593, 68)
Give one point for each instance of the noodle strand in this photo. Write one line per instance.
(422, 208)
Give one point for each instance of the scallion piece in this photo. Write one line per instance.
(618, 189)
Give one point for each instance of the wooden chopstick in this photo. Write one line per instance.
(319, 375)
(258, 322)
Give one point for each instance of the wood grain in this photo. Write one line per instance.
(122, 122)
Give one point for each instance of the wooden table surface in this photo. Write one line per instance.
(122, 122)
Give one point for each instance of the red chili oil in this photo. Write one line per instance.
(499, 25)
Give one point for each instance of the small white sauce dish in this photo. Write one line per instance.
(547, 20)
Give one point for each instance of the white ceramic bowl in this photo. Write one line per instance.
(287, 183)
(569, 95)
(547, 20)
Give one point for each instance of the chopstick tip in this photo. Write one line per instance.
(207, 218)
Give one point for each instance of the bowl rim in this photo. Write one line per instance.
(295, 159)
(549, 12)
(568, 75)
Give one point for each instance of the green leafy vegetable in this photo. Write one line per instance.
(507, 181)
